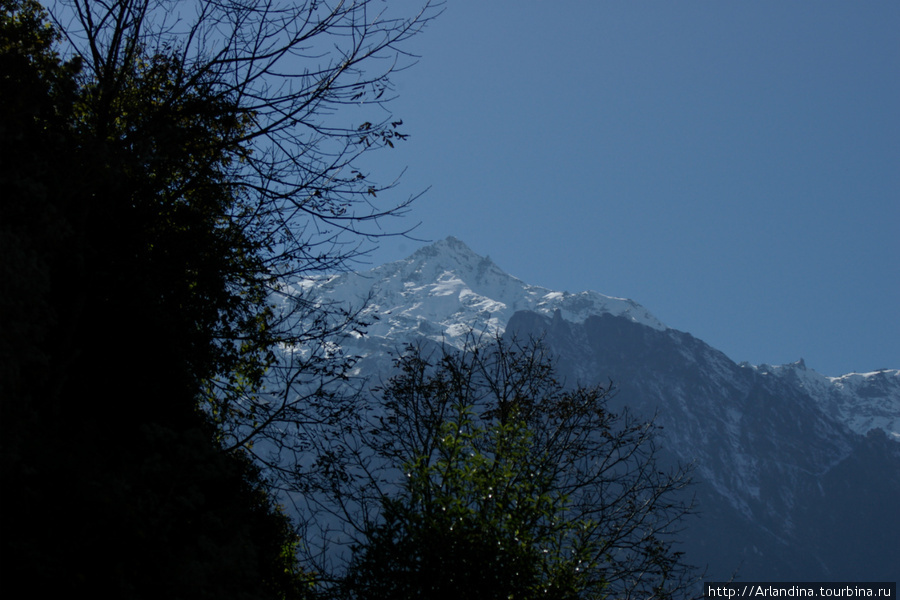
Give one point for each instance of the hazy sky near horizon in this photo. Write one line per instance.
(733, 167)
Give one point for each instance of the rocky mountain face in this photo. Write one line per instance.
(785, 488)
(797, 474)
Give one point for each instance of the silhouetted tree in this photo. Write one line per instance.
(163, 167)
(479, 474)
(224, 156)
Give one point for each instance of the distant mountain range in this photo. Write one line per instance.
(798, 474)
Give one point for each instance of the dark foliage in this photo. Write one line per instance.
(144, 228)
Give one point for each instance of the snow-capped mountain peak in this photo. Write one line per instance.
(445, 290)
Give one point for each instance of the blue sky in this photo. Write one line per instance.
(734, 167)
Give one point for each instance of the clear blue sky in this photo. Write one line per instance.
(732, 166)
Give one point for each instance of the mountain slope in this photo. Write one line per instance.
(785, 490)
(796, 477)
(864, 401)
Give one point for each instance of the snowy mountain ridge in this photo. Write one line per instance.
(863, 401)
(444, 290)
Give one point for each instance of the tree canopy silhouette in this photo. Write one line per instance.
(477, 473)
(164, 167)
(227, 136)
